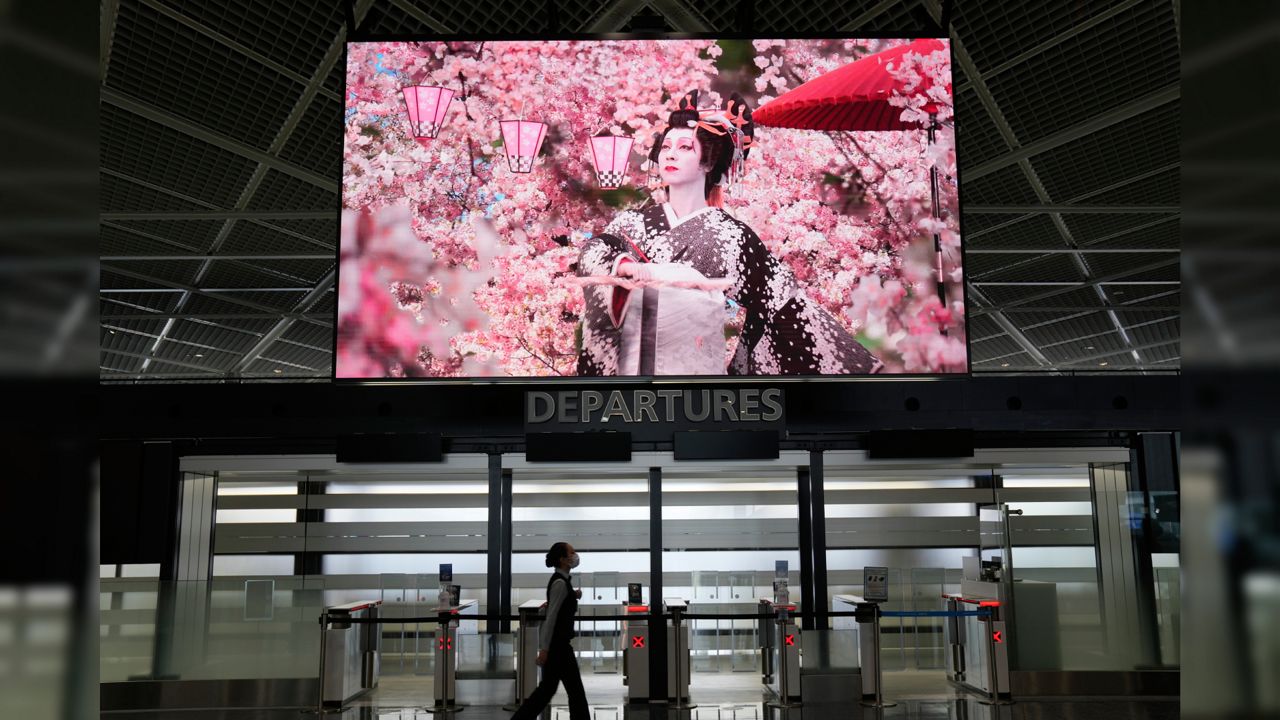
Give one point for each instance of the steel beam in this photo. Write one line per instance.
(976, 312)
(241, 48)
(186, 127)
(208, 292)
(322, 318)
(241, 258)
(871, 14)
(225, 215)
(681, 16)
(417, 14)
(149, 357)
(197, 201)
(1136, 107)
(274, 333)
(1066, 251)
(1009, 328)
(1105, 279)
(612, 17)
(1070, 209)
(1054, 41)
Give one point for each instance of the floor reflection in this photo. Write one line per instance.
(954, 709)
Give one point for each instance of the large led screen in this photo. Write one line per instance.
(649, 207)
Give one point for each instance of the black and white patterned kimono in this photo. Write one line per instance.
(675, 331)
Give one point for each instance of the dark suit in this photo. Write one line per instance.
(562, 664)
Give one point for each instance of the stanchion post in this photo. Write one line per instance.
(324, 647)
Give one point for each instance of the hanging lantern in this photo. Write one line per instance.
(427, 107)
(521, 139)
(609, 155)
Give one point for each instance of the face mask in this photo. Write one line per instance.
(574, 560)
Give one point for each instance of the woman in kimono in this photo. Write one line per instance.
(671, 266)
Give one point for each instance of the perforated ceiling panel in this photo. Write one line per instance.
(236, 106)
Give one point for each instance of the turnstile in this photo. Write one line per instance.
(978, 656)
(636, 635)
(352, 657)
(867, 618)
(780, 649)
(445, 687)
(531, 615)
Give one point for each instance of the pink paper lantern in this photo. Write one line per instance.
(609, 155)
(427, 107)
(521, 139)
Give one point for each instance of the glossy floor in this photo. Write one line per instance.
(919, 695)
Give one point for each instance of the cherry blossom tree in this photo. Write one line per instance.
(454, 265)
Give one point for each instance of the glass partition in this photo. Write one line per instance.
(321, 534)
(157, 631)
(1054, 565)
(605, 515)
(288, 542)
(725, 527)
(917, 521)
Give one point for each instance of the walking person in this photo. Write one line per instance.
(555, 653)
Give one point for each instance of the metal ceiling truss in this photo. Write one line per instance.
(1103, 231)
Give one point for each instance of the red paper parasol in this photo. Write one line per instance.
(856, 97)
(853, 97)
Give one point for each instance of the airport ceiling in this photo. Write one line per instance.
(220, 155)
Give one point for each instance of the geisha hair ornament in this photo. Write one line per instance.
(732, 123)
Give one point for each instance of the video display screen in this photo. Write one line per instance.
(649, 207)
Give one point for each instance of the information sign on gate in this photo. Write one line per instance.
(875, 584)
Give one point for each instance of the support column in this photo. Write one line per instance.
(508, 533)
(819, 603)
(1155, 480)
(308, 562)
(657, 633)
(182, 614)
(495, 585)
(805, 529)
(1115, 518)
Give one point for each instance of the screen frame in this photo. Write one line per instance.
(357, 36)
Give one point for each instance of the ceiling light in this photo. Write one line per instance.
(1088, 347)
(1101, 364)
(199, 354)
(1004, 364)
(113, 332)
(277, 370)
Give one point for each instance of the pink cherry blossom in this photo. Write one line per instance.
(454, 265)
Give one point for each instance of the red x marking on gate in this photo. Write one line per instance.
(445, 643)
(997, 635)
(790, 640)
(637, 641)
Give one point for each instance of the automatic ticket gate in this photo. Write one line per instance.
(978, 647)
(780, 649)
(637, 634)
(531, 617)
(445, 687)
(350, 652)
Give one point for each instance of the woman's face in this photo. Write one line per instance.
(680, 159)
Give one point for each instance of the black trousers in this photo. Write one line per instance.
(561, 667)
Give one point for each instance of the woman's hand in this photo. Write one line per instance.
(542, 657)
(631, 269)
(579, 593)
(661, 272)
